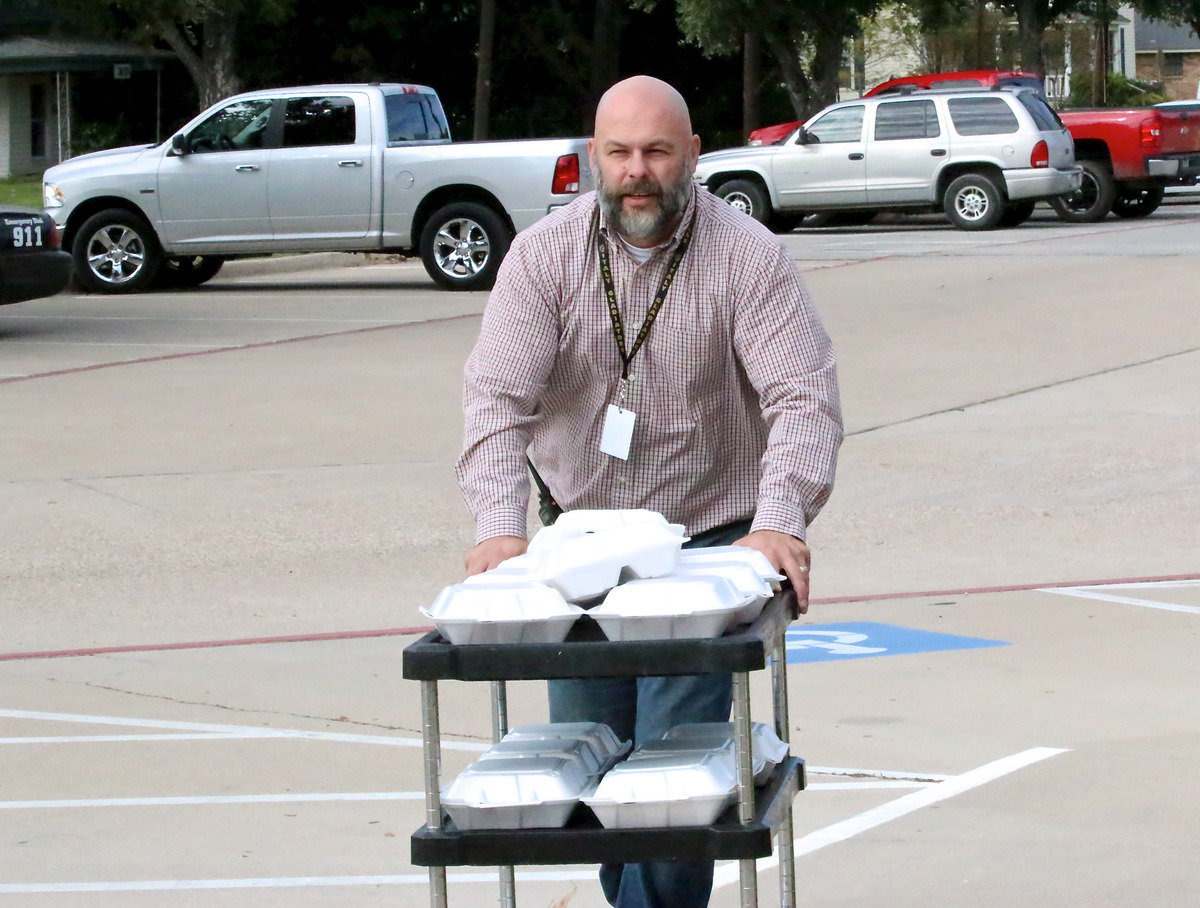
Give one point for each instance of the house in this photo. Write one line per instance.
(36, 75)
(1169, 54)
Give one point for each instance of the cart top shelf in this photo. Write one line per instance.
(586, 653)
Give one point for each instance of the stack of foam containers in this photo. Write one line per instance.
(518, 611)
(533, 778)
(719, 554)
(767, 750)
(745, 579)
(587, 553)
(684, 788)
(679, 607)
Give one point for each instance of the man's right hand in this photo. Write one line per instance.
(491, 552)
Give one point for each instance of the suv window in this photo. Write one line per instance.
(234, 127)
(906, 120)
(318, 121)
(1043, 115)
(413, 118)
(845, 124)
(982, 116)
(956, 83)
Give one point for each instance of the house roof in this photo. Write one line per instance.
(41, 55)
(1154, 35)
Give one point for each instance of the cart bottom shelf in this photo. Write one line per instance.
(584, 841)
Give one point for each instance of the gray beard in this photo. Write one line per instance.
(644, 226)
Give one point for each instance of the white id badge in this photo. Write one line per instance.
(617, 435)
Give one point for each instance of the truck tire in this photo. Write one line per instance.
(463, 244)
(747, 197)
(1093, 200)
(189, 271)
(1017, 213)
(1137, 203)
(116, 251)
(973, 201)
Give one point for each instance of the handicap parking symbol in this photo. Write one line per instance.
(861, 639)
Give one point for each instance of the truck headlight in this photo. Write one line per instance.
(52, 196)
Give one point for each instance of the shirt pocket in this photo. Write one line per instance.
(691, 348)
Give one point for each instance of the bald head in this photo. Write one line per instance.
(643, 98)
(643, 154)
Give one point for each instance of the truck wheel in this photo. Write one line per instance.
(116, 251)
(747, 197)
(1093, 200)
(191, 271)
(973, 202)
(462, 246)
(1017, 213)
(1137, 203)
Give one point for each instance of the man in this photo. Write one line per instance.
(650, 347)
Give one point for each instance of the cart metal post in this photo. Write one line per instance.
(785, 838)
(747, 867)
(508, 877)
(431, 746)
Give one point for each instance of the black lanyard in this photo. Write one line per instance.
(610, 291)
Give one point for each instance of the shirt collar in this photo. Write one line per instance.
(670, 241)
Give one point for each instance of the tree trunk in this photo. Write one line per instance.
(483, 69)
(794, 80)
(211, 63)
(829, 43)
(1031, 25)
(751, 79)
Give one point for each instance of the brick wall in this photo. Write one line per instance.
(1150, 68)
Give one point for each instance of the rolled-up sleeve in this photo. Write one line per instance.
(505, 378)
(789, 360)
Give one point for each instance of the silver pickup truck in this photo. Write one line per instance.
(354, 168)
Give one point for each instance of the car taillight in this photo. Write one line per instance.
(1040, 156)
(566, 175)
(55, 236)
(1149, 133)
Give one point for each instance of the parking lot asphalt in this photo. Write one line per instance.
(270, 456)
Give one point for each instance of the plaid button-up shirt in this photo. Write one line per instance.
(735, 389)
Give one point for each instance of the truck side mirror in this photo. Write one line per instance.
(179, 144)
(804, 137)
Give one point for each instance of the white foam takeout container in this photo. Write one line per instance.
(600, 736)
(583, 565)
(519, 612)
(518, 793)
(593, 758)
(767, 750)
(739, 553)
(745, 579)
(672, 608)
(571, 523)
(687, 788)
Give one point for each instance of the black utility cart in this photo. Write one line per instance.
(743, 832)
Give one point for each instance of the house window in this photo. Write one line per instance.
(37, 120)
(1172, 64)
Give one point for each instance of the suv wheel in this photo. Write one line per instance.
(1017, 213)
(116, 251)
(1094, 198)
(747, 197)
(1137, 203)
(973, 202)
(462, 246)
(190, 271)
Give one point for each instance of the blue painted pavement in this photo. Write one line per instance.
(863, 639)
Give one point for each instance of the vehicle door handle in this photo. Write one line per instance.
(246, 168)
(937, 152)
(349, 163)
(857, 156)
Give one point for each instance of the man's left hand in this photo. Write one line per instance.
(787, 554)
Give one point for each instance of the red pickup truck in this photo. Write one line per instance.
(1129, 156)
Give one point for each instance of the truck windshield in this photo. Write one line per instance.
(415, 118)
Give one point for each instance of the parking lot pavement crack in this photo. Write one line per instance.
(961, 408)
(83, 485)
(342, 721)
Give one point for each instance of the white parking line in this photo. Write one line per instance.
(726, 873)
(1095, 592)
(324, 797)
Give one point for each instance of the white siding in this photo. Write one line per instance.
(20, 159)
(5, 128)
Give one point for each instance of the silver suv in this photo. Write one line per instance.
(985, 157)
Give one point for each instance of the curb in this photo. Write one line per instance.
(307, 261)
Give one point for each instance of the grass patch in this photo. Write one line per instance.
(25, 191)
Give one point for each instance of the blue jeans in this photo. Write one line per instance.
(643, 709)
